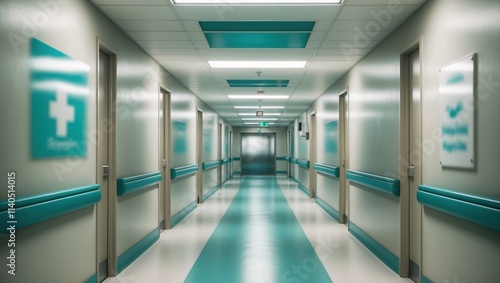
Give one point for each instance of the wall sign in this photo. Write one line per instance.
(59, 93)
(456, 93)
(180, 136)
(331, 136)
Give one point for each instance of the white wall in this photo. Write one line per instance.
(63, 249)
(454, 250)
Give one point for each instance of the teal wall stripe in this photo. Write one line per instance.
(303, 163)
(237, 172)
(257, 40)
(281, 172)
(425, 279)
(375, 247)
(91, 279)
(181, 215)
(480, 210)
(301, 187)
(38, 208)
(383, 184)
(230, 253)
(210, 193)
(328, 208)
(183, 171)
(138, 249)
(136, 183)
(210, 164)
(327, 169)
(257, 25)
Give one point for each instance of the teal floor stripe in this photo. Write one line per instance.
(136, 250)
(258, 240)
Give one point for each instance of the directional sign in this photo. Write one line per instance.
(264, 124)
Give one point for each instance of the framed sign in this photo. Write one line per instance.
(59, 94)
(456, 98)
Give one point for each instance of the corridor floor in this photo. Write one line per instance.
(262, 230)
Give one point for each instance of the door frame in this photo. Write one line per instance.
(405, 155)
(343, 157)
(199, 154)
(312, 154)
(111, 153)
(164, 96)
(219, 154)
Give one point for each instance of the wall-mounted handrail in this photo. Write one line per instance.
(303, 163)
(182, 171)
(281, 158)
(293, 160)
(478, 209)
(383, 184)
(236, 158)
(135, 183)
(210, 164)
(37, 208)
(224, 161)
(327, 169)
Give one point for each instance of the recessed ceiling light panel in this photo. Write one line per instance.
(263, 2)
(257, 64)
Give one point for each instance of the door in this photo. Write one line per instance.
(258, 154)
(219, 155)
(106, 252)
(411, 165)
(164, 192)
(343, 158)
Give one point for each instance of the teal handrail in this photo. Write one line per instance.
(478, 209)
(236, 158)
(281, 158)
(134, 183)
(182, 171)
(37, 208)
(383, 184)
(303, 163)
(224, 161)
(327, 169)
(210, 164)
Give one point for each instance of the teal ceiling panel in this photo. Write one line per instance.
(258, 83)
(257, 40)
(255, 26)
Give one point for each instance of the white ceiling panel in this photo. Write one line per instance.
(139, 13)
(173, 37)
(150, 26)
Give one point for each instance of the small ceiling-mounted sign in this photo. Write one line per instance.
(259, 113)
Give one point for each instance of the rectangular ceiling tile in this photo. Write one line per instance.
(240, 26)
(122, 13)
(257, 40)
(153, 35)
(165, 44)
(258, 83)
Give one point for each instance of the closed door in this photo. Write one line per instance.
(258, 154)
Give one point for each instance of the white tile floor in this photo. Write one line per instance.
(171, 258)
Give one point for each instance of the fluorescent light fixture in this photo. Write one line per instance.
(255, 123)
(253, 96)
(259, 107)
(259, 119)
(265, 114)
(258, 64)
(266, 2)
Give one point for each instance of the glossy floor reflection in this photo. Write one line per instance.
(259, 240)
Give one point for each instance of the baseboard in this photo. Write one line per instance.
(332, 212)
(425, 280)
(103, 270)
(181, 215)
(91, 279)
(138, 249)
(210, 193)
(375, 247)
(301, 187)
(415, 272)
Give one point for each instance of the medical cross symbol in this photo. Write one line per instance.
(62, 112)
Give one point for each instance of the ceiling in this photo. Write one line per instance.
(172, 35)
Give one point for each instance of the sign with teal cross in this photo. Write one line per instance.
(59, 94)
